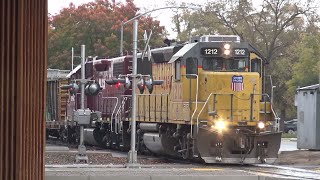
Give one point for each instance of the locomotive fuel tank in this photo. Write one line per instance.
(91, 136)
(160, 144)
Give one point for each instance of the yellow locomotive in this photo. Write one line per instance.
(212, 104)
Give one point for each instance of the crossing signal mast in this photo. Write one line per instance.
(82, 116)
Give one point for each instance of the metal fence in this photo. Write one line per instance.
(23, 61)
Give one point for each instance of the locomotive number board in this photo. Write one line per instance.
(240, 52)
(210, 51)
(237, 52)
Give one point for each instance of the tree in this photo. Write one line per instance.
(97, 25)
(263, 28)
(306, 70)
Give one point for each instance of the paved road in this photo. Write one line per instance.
(288, 144)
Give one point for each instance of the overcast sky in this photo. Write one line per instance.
(164, 16)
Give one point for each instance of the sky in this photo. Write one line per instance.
(164, 16)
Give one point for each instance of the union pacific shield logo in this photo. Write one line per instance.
(237, 83)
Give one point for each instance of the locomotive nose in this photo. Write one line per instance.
(233, 94)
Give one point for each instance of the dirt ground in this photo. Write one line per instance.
(96, 159)
(291, 158)
(299, 158)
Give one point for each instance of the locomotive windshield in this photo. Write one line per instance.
(221, 64)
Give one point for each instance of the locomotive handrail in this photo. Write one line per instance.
(195, 109)
(118, 112)
(265, 95)
(273, 111)
(127, 96)
(113, 109)
(206, 104)
(153, 94)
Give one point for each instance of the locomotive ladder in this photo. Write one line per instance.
(63, 98)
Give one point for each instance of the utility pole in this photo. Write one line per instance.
(121, 40)
(132, 155)
(72, 56)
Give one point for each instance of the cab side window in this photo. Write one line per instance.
(192, 65)
(178, 70)
(255, 66)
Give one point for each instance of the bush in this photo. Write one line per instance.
(287, 135)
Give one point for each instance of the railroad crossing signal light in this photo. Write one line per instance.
(73, 88)
(150, 83)
(117, 82)
(92, 89)
(141, 85)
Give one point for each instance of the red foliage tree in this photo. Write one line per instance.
(96, 25)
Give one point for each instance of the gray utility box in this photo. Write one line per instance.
(82, 116)
(308, 111)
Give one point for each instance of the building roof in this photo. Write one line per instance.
(312, 87)
(53, 74)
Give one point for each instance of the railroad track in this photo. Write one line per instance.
(261, 169)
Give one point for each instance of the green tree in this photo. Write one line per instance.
(306, 70)
(96, 25)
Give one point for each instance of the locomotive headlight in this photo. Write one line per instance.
(226, 52)
(226, 46)
(220, 125)
(261, 125)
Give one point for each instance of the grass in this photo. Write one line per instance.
(286, 135)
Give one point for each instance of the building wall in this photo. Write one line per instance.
(308, 125)
(23, 62)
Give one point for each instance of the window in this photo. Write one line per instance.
(235, 65)
(220, 64)
(256, 66)
(212, 64)
(192, 65)
(178, 70)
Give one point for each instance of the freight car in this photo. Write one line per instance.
(212, 105)
(57, 101)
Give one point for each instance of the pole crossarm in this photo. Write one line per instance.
(168, 7)
(138, 16)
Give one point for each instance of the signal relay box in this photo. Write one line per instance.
(82, 116)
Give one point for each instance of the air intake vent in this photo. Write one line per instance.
(220, 38)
